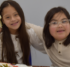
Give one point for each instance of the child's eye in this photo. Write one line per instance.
(54, 22)
(7, 17)
(64, 21)
(16, 14)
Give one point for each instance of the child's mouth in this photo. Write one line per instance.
(14, 23)
(60, 31)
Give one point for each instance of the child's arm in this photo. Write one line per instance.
(35, 41)
(37, 29)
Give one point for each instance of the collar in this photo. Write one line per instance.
(56, 41)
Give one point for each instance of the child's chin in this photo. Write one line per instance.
(15, 28)
(61, 38)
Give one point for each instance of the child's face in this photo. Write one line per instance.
(11, 18)
(59, 30)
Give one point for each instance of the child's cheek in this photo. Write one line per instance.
(67, 28)
(52, 30)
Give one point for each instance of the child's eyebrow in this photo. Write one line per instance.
(64, 18)
(57, 20)
(53, 20)
(15, 12)
(6, 15)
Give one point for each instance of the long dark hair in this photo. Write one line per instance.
(49, 40)
(7, 44)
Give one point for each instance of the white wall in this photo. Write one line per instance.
(35, 11)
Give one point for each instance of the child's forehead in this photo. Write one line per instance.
(59, 16)
(9, 10)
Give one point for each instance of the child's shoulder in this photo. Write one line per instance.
(30, 31)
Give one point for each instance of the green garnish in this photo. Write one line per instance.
(4, 65)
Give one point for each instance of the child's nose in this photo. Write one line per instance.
(60, 24)
(12, 18)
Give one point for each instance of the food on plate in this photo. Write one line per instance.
(10, 65)
(6, 65)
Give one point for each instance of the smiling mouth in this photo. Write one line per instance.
(14, 23)
(60, 30)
